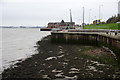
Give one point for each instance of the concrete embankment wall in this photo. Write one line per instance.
(87, 38)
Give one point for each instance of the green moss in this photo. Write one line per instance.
(114, 49)
(105, 59)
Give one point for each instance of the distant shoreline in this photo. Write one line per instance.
(20, 27)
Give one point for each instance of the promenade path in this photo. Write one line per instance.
(115, 34)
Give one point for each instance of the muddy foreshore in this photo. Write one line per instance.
(65, 62)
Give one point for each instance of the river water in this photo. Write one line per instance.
(18, 43)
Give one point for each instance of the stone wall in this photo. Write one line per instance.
(84, 38)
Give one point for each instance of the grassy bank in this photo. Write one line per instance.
(103, 26)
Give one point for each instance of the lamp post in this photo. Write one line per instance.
(83, 18)
(100, 11)
(89, 15)
(70, 16)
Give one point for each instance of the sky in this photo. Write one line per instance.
(40, 12)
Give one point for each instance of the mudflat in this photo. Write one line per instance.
(66, 61)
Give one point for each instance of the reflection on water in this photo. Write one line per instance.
(19, 44)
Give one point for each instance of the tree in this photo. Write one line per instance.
(114, 19)
(62, 21)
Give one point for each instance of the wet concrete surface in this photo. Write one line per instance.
(66, 62)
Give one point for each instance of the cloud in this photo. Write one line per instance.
(35, 11)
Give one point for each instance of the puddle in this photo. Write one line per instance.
(71, 78)
(50, 51)
(56, 71)
(41, 71)
(74, 69)
(64, 63)
(60, 52)
(60, 56)
(60, 46)
(74, 72)
(60, 75)
(97, 63)
(45, 77)
(92, 68)
(50, 58)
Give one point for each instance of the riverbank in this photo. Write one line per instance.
(66, 61)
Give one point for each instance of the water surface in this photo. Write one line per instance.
(18, 43)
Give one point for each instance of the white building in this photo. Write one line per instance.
(119, 7)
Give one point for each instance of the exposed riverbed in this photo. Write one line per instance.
(67, 61)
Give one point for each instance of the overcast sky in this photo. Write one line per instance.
(40, 12)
